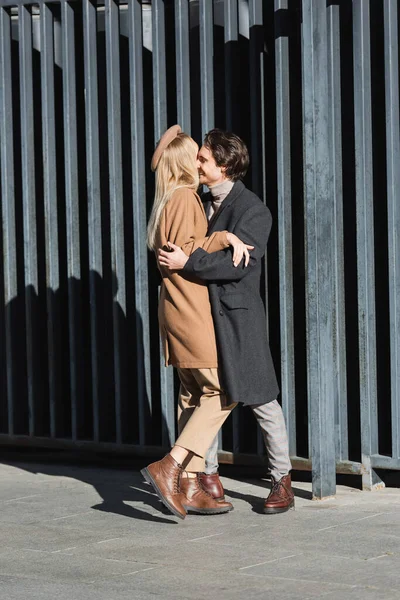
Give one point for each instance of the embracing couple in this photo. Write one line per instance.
(212, 319)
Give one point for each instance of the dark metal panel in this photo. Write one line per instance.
(116, 202)
(335, 138)
(72, 214)
(284, 219)
(206, 65)
(393, 198)
(8, 212)
(29, 208)
(94, 204)
(318, 240)
(139, 218)
(182, 64)
(50, 209)
(365, 236)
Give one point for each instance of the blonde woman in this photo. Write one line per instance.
(186, 326)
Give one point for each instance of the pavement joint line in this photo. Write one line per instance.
(110, 540)
(376, 557)
(20, 498)
(267, 562)
(206, 537)
(296, 580)
(132, 562)
(349, 522)
(132, 572)
(67, 516)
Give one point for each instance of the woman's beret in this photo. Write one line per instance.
(165, 140)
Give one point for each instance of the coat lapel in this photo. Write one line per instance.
(230, 199)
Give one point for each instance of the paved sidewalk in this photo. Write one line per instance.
(77, 533)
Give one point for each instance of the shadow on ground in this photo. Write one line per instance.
(116, 493)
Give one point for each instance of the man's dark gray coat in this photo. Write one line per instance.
(244, 357)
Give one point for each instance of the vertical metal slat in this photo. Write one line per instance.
(159, 70)
(94, 203)
(50, 209)
(393, 193)
(231, 37)
(206, 65)
(72, 215)
(29, 207)
(182, 64)
(319, 224)
(284, 219)
(257, 127)
(116, 201)
(8, 211)
(257, 103)
(160, 125)
(139, 219)
(335, 137)
(365, 238)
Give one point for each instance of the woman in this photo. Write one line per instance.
(186, 326)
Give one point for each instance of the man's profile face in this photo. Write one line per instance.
(209, 172)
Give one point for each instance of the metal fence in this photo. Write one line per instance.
(86, 89)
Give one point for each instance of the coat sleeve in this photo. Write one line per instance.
(182, 216)
(252, 228)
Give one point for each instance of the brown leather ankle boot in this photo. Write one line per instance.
(164, 475)
(212, 484)
(281, 496)
(196, 500)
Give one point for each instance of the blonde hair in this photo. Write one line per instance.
(177, 168)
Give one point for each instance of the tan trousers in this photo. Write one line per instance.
(202, 411)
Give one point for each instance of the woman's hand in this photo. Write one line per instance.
(240, 250)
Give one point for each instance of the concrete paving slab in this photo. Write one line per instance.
(79, 533)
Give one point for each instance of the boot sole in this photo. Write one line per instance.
(207, 511)
(150, 480)
(276, 511)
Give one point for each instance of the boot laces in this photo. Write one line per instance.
(279, 489)
(177, 481)
(201, 489)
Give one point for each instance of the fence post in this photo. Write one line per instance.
(365, 240)
(318, 241)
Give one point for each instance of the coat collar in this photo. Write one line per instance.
(235, 192)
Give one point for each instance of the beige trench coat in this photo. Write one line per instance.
(184, 312)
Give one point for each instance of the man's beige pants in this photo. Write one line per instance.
(202, 411)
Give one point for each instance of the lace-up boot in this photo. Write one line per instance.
(196, 500)
(165, 476)
(212, 484)
(281, 497)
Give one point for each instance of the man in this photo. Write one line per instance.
(247, 371)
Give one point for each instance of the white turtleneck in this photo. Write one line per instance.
(219, 193)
